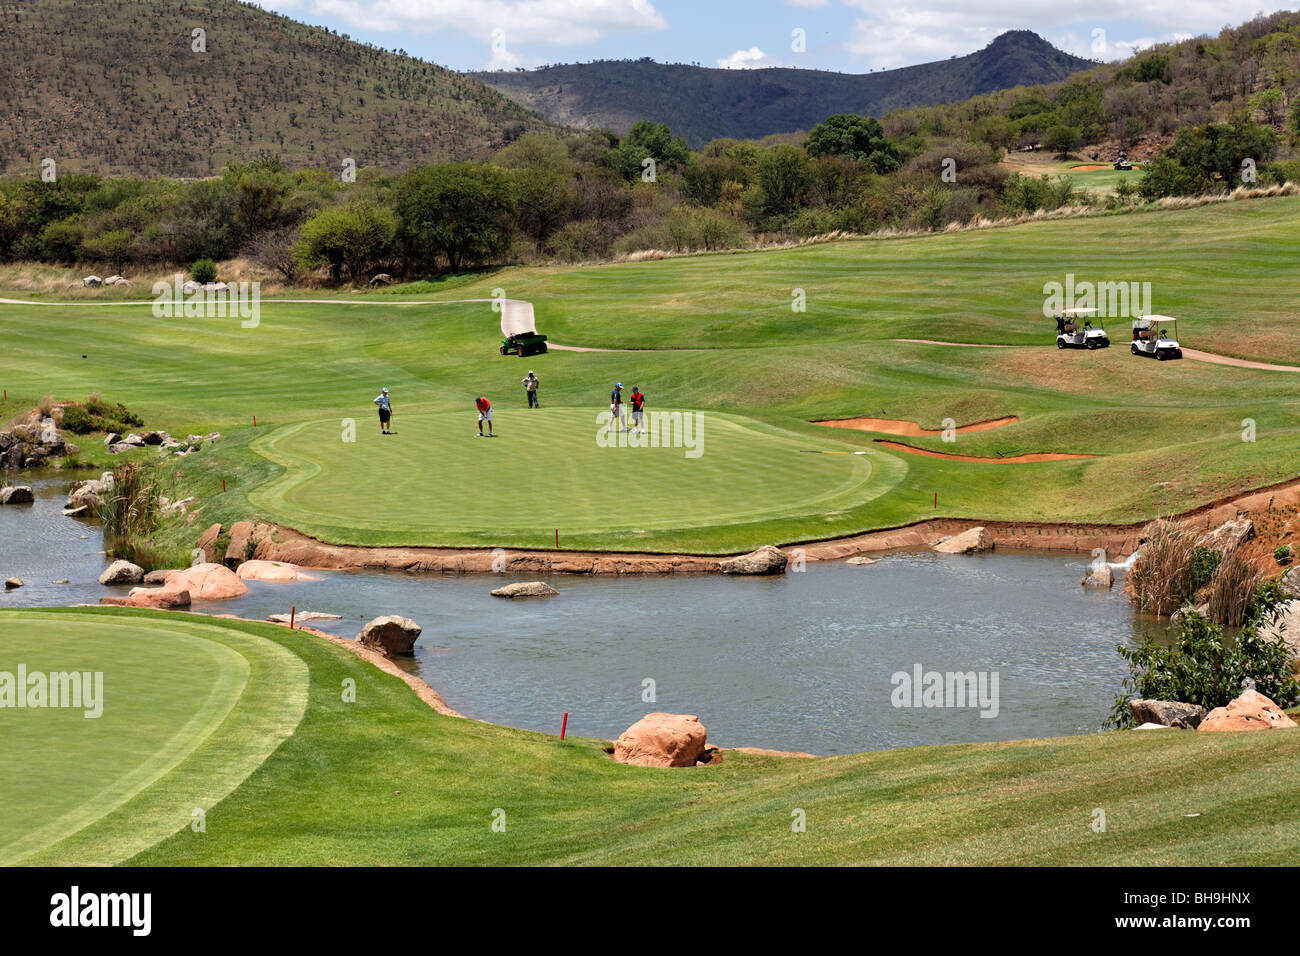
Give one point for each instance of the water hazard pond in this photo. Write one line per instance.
(800, 662)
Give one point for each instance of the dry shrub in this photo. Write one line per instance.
(1230, 589)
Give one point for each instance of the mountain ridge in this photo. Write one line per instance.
(704, 103)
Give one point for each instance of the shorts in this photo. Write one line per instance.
(385, 414)
(485, 416)
(636, 415)
(615, 410)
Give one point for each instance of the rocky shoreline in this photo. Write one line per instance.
(267, 541)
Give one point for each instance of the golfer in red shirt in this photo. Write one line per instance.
(484, 415)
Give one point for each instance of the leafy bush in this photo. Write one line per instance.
(204, 271)
(1206, 667)
(97, 415)
(1282, 554)
(1205, 561)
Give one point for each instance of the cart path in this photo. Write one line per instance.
(894, 426)
(1196, 354)
(1236, 362)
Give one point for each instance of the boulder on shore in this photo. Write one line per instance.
(1167, 713)
(122, 572)
(207, 582)
(860, 560)
(766, 560)
(163, 597)
(971, 541)
(278, 571)
(1284, 625)
(12, 583)
(392, 635)
(525, 589)
(16, 495)
(1251, 711)
(662, 740)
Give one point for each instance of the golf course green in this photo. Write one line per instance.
(187, 710)
(382, 779)
(721, 335)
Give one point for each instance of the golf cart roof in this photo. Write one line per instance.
(1072, 312)
(1157, 318)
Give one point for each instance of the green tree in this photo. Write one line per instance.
(1062, 140)
(456, 210)
(783, 179)
(1268, 102)
(646, 140)
(347, 237)
(861, 138)
(204, 271)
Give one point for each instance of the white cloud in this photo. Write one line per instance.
(808, 3)
(744, 59)
(569, 22)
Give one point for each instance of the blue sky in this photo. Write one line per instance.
(853, 36)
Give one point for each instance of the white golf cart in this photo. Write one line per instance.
(1071, 335)
(1156, 336)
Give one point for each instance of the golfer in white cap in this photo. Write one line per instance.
(615, 408)
(385, 411)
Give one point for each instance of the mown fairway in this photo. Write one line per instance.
(188, 710)
(386, 781)
(722, 339)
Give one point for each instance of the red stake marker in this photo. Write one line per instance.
(223, 485)
(557, 537)
(254, 420)
(292, 612)
(564, 726)
(936, 499)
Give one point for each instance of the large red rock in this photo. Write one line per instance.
(278, 571)
(207, 582)
(1251, 711)
(163, 597)
(662, 740)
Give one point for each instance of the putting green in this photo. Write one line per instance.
(186, 714)
(434, 482)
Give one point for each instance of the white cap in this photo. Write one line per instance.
(385, 391)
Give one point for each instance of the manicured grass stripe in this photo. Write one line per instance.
(215, 758)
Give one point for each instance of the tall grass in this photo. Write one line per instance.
(1231, 588)
(131, 513)
(1160, 581)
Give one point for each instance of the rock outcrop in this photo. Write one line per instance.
(525, 589)
(971, 541)
(766, 560)
(662, 740)
(207, 582)
(1228, 536)
(393, 636)
(1251, 711)
(1167, 713)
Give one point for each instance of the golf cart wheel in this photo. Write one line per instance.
(1090, 345)
(1103, 343)
(1060, 344)
(1133, 349)
(1161, 356)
